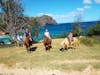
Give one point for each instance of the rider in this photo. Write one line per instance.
(47, 34)
(28, 34)
(70, 38)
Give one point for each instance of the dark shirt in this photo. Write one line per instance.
(27, 34)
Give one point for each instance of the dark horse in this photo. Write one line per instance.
(47, 43)
(27, 43)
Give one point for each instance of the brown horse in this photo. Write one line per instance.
(47, 43)
(27, 43)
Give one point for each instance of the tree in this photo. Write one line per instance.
(34, 26)
(2, 25)
(13, 15)
(76, 29)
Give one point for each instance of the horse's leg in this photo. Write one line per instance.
(62, 48)
(46, 47)
(30, 43)
(49, 44)
(44, 43)
(66, 47)
(27, 46)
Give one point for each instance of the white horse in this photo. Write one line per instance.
(65, 43)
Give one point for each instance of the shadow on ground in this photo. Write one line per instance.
(32, 49)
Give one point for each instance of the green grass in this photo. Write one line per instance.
(42, 59)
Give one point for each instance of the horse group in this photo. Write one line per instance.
(48, 43)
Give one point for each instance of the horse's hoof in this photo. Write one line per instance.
(50, 47)
(66, 48)
(61, 49)
(46, 48)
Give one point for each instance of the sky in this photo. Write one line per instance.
(63, 11)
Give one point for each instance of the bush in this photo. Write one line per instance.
(77, 31)
(94, 30)
(89, 41)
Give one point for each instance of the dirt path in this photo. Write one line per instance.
(43, 71)
(77, 61)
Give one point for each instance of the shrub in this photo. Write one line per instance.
(89, 41)
(94, 30)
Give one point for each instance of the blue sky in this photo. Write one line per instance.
(63, 11)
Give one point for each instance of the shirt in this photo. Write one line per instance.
(47, 34)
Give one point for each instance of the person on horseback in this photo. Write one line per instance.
(47, 40)
(70, 38)
(27, 34)
(47, 34)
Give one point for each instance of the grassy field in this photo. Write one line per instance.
(72, 59)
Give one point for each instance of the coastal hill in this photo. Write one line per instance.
(45, 19)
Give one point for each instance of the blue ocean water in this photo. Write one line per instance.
(59, 29)
(54, 30)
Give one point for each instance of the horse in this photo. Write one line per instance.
(65, 44)
(75, 42)
(27, 43)
(47, 43)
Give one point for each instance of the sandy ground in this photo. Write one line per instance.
(77, 61)
(20, 71)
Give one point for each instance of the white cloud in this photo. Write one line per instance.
(87, 7)
(97, 1)
(91, 1)
(40, 14)
(60, 17)
(80, 9)
(87, 1)
(70, 14)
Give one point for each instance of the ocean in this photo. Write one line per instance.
(59, 29)
(55, 30)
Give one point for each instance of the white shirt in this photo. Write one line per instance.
(18, 37)
(47, 34)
